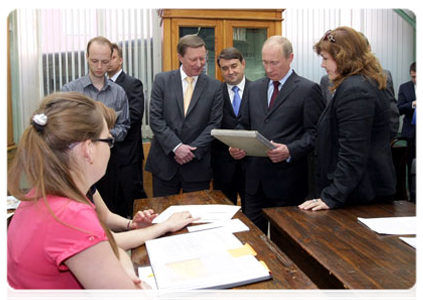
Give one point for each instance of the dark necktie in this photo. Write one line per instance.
(275, 93)
(236, 102)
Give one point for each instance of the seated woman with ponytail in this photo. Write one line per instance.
(56, 239)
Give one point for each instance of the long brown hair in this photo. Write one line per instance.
(43, 157)
(352, 55)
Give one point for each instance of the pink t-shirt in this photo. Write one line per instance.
(38, 244)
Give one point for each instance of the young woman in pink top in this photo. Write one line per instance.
(56, 239)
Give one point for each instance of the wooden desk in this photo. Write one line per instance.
(337, 251)
(286, 275)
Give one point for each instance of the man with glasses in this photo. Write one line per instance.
(96, 86)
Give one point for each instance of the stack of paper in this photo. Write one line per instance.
(394, 225)
(205, 259)
(207, 213)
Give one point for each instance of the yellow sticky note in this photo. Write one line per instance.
(264, 265)
(241, 251)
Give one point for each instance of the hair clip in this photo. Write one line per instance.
(39, 121)
(328, 36)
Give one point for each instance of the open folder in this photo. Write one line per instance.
(251, 141)
(208, 259)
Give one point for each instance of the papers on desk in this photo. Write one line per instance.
(207, 213)
(234, 225)
(412, 241)
(392, 225)
(251, 141)
(12, 202)
(205, 259)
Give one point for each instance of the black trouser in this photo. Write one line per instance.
(163, 188)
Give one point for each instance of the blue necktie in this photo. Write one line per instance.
(236, 101)
(413, 120)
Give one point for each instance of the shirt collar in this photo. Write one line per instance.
(284, 79)
(240, 85)
(86, 81)
(184, 75)
(114, 77)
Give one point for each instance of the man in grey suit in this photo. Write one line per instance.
(285, 108)
(185, 106)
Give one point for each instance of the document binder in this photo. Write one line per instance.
(251, 141)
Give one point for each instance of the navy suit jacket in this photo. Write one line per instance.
(353, 154)
(130, 149)
(291, 121)
(171, 127)
(406, 96)
(224, 166)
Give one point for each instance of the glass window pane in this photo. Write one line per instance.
(250, 41)
(207, 34)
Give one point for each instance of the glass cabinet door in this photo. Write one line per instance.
(208, 36)
(250, 41)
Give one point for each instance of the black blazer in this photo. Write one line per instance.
(130, 149)
(171, 127)
(223, 164)
(353, 154)
(406, 96)
(292, 121)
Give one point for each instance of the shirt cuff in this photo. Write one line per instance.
(177, 146)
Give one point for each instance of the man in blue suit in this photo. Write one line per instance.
(407, 107)
(185, 106)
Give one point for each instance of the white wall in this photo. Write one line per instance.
(391, 38)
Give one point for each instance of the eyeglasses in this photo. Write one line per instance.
(110, 141)
(328, 36)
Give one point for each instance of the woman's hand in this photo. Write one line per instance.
(179, 220)
(314, 204)
(143, 219)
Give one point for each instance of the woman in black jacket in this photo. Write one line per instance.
(353, 155)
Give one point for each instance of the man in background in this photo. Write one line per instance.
(284, 108)
(228, 173)
(407, 102)
(185, 106)
(129, 151)
(96, 86)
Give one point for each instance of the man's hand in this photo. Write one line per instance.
(237, 153)
(279, 154)
(184, 154)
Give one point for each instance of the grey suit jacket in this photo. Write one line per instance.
(291, 121)
(171, 127)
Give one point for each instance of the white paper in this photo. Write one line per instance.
(412, 241)
(202, 260)
(9, 215)
(146, 275)
(207, 213)
(12, 202)
(392, 225)
(234, 225)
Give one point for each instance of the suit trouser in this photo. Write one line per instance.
(255, 202)
(232, 188)
(130, 188)
(174, 186)
(107, 186)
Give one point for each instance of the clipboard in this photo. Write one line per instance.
(251, 141)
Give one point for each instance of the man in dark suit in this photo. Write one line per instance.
(284, 108)
(129, 152)
(407, 106)
(228, 173)
(185, 106)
